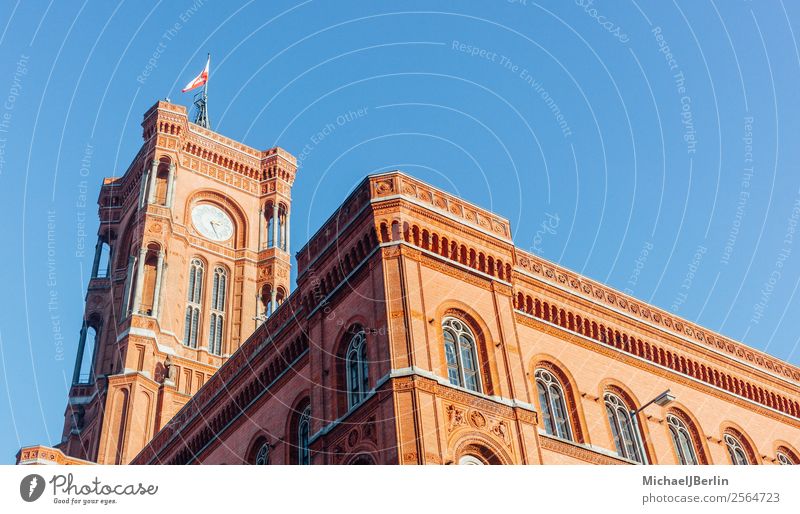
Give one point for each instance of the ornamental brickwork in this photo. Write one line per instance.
(394, 261)
(417, 334)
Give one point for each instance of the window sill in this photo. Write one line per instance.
(596, 449)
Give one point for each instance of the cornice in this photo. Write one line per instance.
(642, 313)
(650, 366)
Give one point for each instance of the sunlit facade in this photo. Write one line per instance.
(417, 333)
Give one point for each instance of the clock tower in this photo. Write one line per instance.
(192, 254)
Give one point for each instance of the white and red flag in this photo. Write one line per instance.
(199, 80)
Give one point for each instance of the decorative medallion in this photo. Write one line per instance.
(352, 437)
(477, 419)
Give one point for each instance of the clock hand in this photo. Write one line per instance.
(214, 229)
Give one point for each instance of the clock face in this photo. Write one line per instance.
(212, 222)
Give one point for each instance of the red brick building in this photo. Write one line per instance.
(417, 334)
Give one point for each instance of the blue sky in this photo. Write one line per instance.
(648, 145)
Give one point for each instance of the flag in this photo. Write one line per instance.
(199, 80)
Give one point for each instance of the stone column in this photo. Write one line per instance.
(288, 226)
(128, 277)
(273, 301)
(98, 250)
(157, 292)
(275, 225)
(76, 374)
(151, 197)
(143, 186)
(111, 256)
(137, 296)
(282, 246)
(260, 227)
(171, 190)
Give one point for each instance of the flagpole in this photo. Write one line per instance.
(205, 90)
(201, 98)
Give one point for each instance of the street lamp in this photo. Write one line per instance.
(662, 400)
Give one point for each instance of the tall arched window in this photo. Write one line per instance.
(460, 351)
(88, 355)
(303, 433)
(357, 369)
(162, 184)
(217, 323)
(262, 456)
(271, 220)
(266, 299)
(276, 216)
(363, 459)
(552, 404)
(103, 268)
(681, 440)
(84, 367)
(193, 299)
(736, 450)
(785, 458)
(149, 282)
(623, 429)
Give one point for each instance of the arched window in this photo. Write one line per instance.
(88, 355)
(84, 372)
(357, 369)
(149, 282)
(470, 460)
(681, 440)
(785, 459)
(270, 223)
(623, 429)
(460, 352)
(193, 299)
(282, 227)
(217, 323)
(552, 405)
(476, 454)
(262, 456)
(266, 299)
(736, 450)
(162, 184)
(276, 216)
(303, 433)
(362, 459)
(103, 268)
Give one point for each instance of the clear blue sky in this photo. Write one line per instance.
(658, 142)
